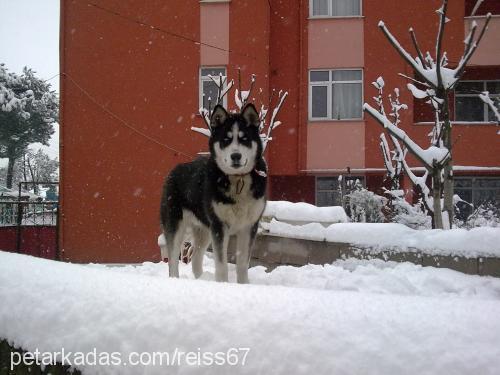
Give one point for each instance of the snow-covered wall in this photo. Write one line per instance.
(477, 242)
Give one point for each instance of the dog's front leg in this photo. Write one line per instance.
(243, 244)
(220, 239)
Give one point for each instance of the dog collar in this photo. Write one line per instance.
(241, 182)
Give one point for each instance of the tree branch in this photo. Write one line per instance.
(415, 44)
(468, 54)
(439, 41)
(405, 55)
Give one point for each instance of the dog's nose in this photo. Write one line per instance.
(235, 157)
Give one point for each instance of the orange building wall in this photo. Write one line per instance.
(111, 176)
(288, 72)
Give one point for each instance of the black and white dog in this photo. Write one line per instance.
(219, 196)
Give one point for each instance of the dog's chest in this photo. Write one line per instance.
(246, 210)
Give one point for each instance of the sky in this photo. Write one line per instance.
(29, 36)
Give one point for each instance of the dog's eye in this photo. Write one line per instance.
(243, 138)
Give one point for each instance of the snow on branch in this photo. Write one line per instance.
(485, 97)
(432, 70)
(476, 7)
(273, 124)
(428, 157)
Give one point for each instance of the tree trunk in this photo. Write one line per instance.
(10, 172)
(448, 168)
(437, 219)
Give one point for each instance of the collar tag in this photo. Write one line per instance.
(260, 173)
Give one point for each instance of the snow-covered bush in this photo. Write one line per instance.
(485, 215)
(398, 210)
(364, 206)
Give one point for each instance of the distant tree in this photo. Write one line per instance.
(28, 111)
(38, 167)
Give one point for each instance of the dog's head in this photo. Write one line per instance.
(235, 142)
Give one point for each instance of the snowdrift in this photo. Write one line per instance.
(289, 330)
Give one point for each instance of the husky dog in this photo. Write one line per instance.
(219, 196)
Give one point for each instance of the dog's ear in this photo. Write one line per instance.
(219, 116)
(251, 115)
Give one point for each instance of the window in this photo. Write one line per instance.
(335, 94)
(335, 8)
(208, 88)
(477, 191)
(330, 190)
(469, 107)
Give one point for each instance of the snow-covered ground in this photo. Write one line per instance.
(351, 317)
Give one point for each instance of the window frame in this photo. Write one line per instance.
(329, 84)
(485, 106)
(312, 16)
(207, 79)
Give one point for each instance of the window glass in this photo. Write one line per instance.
(346, 75)
(491, 115)
(209, 94)
(208, 88)
(469, 108)
(320, 76)
(469, 88)
(320, 8)
(342, 8)
(327, 189)
(476, 191)
(212, 71)
(319, 103)
(462, 182)
(488, 183)
(493, 87)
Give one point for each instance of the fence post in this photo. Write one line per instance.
(19, 226)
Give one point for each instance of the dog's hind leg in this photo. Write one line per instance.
(201, 240)
(174, 242)
(220, 239)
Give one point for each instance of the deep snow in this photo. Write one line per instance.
(352, 317)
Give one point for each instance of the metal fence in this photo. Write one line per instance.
(14, 213)
(29, 225)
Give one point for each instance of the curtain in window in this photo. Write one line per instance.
(346, 101)
(346, 8)
(320, 7)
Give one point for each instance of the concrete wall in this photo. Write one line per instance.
(272, 251)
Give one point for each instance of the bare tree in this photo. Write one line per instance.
(433, 82)
(241, 97)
